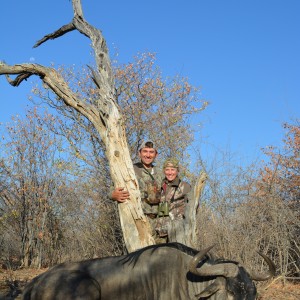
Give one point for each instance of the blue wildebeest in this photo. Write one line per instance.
(158, 272)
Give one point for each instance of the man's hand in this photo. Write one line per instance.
(120, 195)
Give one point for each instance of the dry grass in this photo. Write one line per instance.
(278, 291)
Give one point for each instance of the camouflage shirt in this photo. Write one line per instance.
(176, 194)
(149, 184)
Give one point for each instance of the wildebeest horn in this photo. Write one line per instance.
(269, 274)
(223, 269)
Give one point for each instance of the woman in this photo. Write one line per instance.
(174, 197)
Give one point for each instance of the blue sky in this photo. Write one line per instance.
(245, 55)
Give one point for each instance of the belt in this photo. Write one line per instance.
(151, 216)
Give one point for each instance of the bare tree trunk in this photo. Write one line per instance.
(192, 211)
(104, 115)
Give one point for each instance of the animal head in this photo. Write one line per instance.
(232, 281)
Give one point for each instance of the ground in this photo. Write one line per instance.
(12, 283)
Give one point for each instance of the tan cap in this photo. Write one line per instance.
(171, 162)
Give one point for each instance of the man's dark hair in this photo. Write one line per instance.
(149, 145)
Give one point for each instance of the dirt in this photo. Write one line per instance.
(13, 282)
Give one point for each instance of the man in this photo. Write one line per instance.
(174, 198)
(149, 182)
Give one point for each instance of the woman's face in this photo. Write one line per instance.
(171, 173)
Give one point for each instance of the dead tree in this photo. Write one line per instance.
(107, 119)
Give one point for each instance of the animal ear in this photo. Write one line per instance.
(213, 288)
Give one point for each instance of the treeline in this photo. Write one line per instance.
(54, 177)
(256, 208)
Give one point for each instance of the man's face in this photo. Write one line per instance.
(147, 156)
(171, 173)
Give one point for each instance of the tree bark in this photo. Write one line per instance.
(105, 115)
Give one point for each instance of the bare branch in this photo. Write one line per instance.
(56, 83)
(60, 32)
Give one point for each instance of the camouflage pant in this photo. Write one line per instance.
(169, 230)
(154, 233)
(153, 225)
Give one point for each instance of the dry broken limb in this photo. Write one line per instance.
(105, 117)
(193, 207)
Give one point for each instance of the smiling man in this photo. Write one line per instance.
(149, 179)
